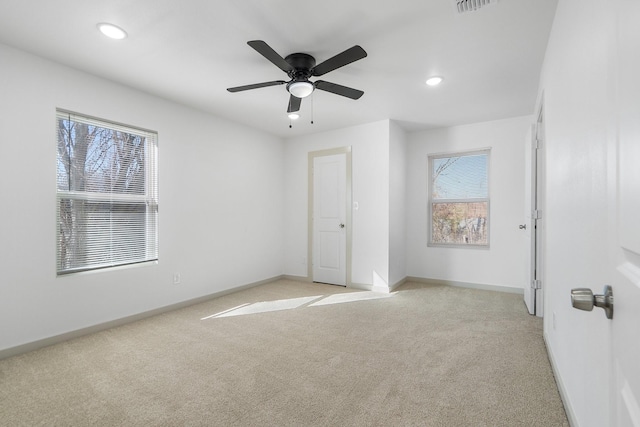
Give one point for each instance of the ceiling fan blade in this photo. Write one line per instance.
(256, 86)
(265, 50)
(338, 89)
(340, 60)
(294, 104)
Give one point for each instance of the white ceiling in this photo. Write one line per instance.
(190, 51)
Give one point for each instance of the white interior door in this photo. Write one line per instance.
(619, 254)
(529, 242)
(329, 219)
(533, 219)
(625, 325)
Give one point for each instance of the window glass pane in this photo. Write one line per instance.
(98, 159)
(107, 194)
(460, 223)
(459, 199)
(460, 177)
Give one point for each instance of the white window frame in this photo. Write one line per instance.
(149, 199)
(431, 201)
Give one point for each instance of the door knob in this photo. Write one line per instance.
(584, 299)
(341, 226)
(522, 226)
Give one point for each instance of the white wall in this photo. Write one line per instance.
(221, 203)
(502, 264)
(370, 186)
(577, 82)
(397, 204)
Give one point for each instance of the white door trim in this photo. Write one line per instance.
(540, 205)
(348, 205)
(529, 222)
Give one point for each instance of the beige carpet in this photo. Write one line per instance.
(299, 354)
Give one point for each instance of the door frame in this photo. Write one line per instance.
(348, 206)
(538, 230)
(529, 223)
(535, 214)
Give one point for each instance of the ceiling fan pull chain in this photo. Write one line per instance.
(312, 108)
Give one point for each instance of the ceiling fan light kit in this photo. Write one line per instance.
(300, 89)
(300, 67)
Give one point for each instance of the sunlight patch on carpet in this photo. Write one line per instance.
(292, 303)
(351, 297)
(265, 306)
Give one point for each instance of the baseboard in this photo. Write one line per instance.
(297, 278)
(306, 279)
(497, 288)
(398, 284)
(568, 409)
(372, 288)
(352, 285)
(360, 286)
(56, 339)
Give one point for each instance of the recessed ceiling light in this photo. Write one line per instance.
(434, 81)
(294, 116)
(112, 31)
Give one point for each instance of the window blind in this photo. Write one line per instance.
(459, 199)
(107, 194)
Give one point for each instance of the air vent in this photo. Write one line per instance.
(464, 6)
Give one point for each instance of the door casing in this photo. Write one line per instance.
(348, 205)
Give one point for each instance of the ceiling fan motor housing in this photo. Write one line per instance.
(302, 66)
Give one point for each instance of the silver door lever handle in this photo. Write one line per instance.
(584, 299)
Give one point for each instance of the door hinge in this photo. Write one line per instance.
(536, 284)
(536, 214)
(537, 141)
(537, 144)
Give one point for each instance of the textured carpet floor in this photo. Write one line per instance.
(299, 354)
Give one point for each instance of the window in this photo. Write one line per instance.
(107, 204)
(459, 199)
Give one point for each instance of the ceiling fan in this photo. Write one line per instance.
(300, 67)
